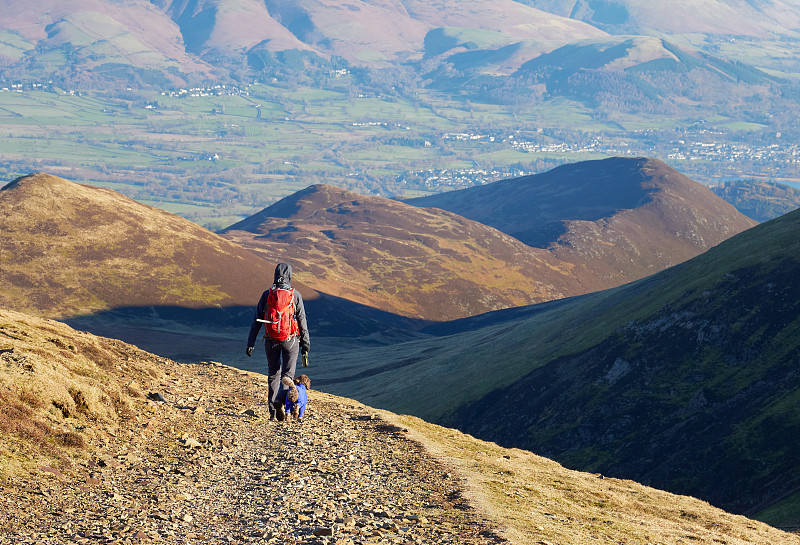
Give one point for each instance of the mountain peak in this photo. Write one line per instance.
(299, 204)
(409, 260)
(629, 216)
(41, 183)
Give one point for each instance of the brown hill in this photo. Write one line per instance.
(88, 456)
(409, 260)
(70, 249)
(119, 268)
(622, 218)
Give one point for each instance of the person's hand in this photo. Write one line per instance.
(249, 351)
(305, 358)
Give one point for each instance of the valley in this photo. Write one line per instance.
(220, 156)
(368, 331)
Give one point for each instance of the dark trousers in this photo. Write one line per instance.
(281, 362)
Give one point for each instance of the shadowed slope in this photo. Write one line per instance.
(686, 379)
(228, 26)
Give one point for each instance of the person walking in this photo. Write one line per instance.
(283, 315)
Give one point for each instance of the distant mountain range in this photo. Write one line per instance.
(588, 226)
(167, 42)
(727, 17)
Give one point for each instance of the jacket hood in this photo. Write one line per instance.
(283, 274)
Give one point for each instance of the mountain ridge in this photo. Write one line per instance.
(115, 252)
(113, 266)
(576, 229)
(644, 216)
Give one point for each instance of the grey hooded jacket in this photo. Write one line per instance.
(283, 279)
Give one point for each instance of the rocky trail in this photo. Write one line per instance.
(207, 466)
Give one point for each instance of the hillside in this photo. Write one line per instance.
(588, 226)
(761, 201)
(89, 456)
(625, 218)
(86, 39)
(120, 268)
(684, 380)
(412, 261)
(228, 26)
(171, 42)
(71, 249)
(174, 41)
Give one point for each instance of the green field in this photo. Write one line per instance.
(230, 155)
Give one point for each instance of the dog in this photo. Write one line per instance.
(296, 396)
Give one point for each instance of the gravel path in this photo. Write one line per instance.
(207, 466)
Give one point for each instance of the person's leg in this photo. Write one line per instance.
(274, 352)
(291, 350)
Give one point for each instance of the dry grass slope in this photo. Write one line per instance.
(68, 396)
(62, 390)
(68, 249)
(418, 262)
(536, 500)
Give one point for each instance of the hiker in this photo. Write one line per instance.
(281, 311)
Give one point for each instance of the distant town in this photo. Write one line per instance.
(704, 151)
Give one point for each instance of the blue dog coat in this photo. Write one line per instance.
(302, 399)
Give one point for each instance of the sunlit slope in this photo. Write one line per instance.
(417, 262)
(97, 35)
(70, 249)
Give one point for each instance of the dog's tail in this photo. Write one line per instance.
(292, 394)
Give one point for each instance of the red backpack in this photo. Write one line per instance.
(279, 321)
